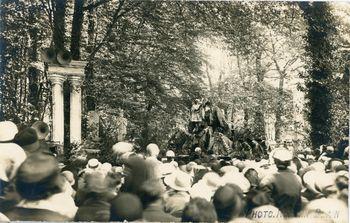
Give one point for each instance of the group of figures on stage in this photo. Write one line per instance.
(209, 130)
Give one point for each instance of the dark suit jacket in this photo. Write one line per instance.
(156, 213)
(33, 214)
(93, 210)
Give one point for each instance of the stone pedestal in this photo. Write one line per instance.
(74, 72)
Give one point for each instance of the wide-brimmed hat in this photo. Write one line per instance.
(11, 157)
(206, 187)
(122, 147)
(8, 130)
(237, 179)
(41, 128)
(282, 155)
(227, 169)
(179, 180)
(28, 140)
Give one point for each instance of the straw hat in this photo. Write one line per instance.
(8, 130)
(206, 187)
(178, 180)
(237, 179)
(12, 156)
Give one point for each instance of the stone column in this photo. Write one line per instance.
(75, 110)
(57, 107)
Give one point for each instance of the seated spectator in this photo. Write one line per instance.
(178, 184)
(40, 185)
(228, 202)
(126, 207)
(151, 195)
(95, 205)
(199, 210)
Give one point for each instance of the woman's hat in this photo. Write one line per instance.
(11, 157)
(179, 180)
(28, 140)
(8, 130)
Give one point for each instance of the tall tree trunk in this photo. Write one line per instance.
(321, 28)
(78, 17)
(59, 7)
(259, 130)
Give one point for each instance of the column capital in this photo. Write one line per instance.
(57, 78)
(76, 82)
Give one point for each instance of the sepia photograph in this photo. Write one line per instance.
(174, 111)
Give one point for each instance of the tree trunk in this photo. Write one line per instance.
(279, 109)
(259, 128)
(77, 25)
(59, 7)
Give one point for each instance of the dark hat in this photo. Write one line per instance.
(41, 128)
(27, 139)
(38, 177)
(126, 206)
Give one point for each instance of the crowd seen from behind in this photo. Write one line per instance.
(303, 186)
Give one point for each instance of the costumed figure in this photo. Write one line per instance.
(196, 116)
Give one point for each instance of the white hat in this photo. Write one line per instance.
(11, 157)
(206, 187)
(283, 155)
(170, 153)
(8, 130)
(152, 149)
(122, 147)
(167, 168)
(237, 179)
(178, 180)
(227, 169)
(93, 164)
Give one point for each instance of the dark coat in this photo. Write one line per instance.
(93, 210)
(156, 213)
(284, 190)
(33, 214)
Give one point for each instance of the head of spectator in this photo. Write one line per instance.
(136, 171)
(12, 156)
(178, 181)
(69, 176)
(199, 210)
(41, 129)
(282, 158)
(93, 165)
(8, 130)
(228, 202)
(151, 191)
(206, 187)
(105, 168)
(39, 177)
(122, 147)
(170, 156)
(126, 207)
(28, 140)
(152, 150)
(334, 163)
(253, 177)
(237, 179)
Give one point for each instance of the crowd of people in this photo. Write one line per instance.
(309, 185)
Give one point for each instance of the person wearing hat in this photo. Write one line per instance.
(95, 204)
(29, 141)
(199, 210)
(229, 202)
(151, 195)
(8, 130)
(206, 187)
(126, 207)
(178, 184)
(283, 187)
(39, 183)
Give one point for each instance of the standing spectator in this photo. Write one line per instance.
(40, 184)
(126, 207)
(283, 187)
(151, 195)
(178, 183)
(199, 210)
(121, 124)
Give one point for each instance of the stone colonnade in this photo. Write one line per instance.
(57, 74)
